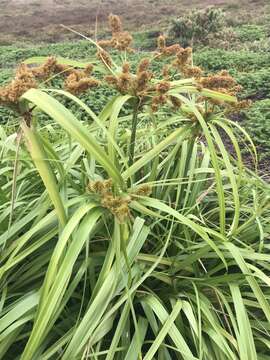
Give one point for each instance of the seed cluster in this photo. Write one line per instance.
(142, 190)
(120, 40)
(134, 84)
(23, 81)
(222, 82)
(27, 78)
(117, 205)
(161, 95)
(141, 84)
(79, 81)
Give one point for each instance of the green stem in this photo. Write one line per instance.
(133, 132)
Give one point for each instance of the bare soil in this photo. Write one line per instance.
(40, 19)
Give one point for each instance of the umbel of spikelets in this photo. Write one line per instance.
(120, 40)
(27, 78)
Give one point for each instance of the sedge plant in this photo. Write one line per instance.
(132, 236)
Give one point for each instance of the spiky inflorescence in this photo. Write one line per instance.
(75, 86)
(120, 40)
(104, 56)
(143, 65)
(161, 98)
(26, 78)
(79, 81)
(45, 70)
(117, 205)
(115, 24)
(161, 43)
(126, 68)
(23, 81)
(238, 106)
(163, 87)
(183, 58)
(100, 186)
(142, 190)
(163, 49)
(127, 83)
(222, 80)
(176, 103)
(192, 71)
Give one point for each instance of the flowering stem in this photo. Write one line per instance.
(133, 131)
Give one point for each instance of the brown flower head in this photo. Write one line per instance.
(126, 68)
(163, 87)
(221, 81)
(142, 80)
(124, 83)
(123, 41)
(183, 58)
(100, 186)
(176, 103)
(171, 50)
(115, 24)
(76, 87)
(161, 42)
(120, 40)
(143, 190)
(23, 81)
(104, 56)
(78, 81)
(143, 65)
(192, 71)
(157, 101)
(105, 43)
(117, 205)
(111, 80)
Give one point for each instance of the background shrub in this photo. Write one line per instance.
(197, 25)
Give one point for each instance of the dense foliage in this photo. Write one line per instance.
(197, 25)
(127, 230)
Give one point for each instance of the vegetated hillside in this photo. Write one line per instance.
(34, 19)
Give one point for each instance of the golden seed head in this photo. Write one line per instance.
(105, 43)
(124, 82)
(171, 50)
(142, 80)
(122, 41)
(112, 80)
(192, 71)
(176, 103)
(77, 83)
(221, 81)
(115, 23)
(183, 58)
(163, 87)
(143, 65)
(23, 81)
(126, 67)
(104, 56)
(143, 190)
(161, 42)
(89, 69)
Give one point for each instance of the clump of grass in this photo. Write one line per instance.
(133, 236)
